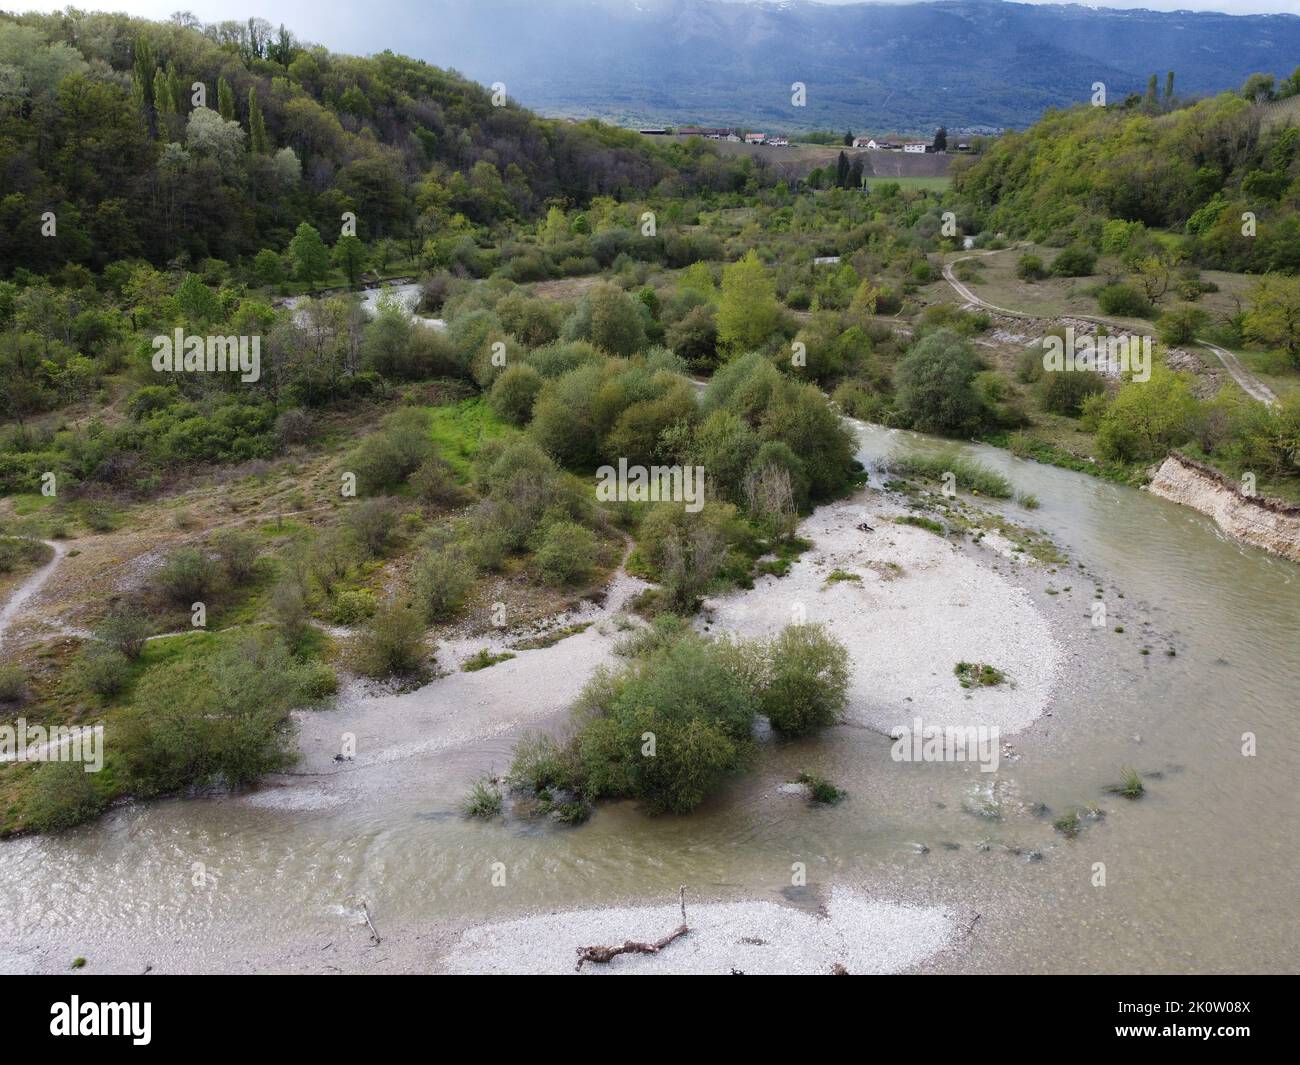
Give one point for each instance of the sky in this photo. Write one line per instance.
(327, 22)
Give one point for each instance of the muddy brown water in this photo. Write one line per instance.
(1200, 873)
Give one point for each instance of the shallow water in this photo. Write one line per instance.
(1200, 874)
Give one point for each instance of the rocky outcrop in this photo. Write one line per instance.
(1260, 521)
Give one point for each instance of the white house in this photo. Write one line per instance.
(755, 138)
(870, 143)
(916, 147)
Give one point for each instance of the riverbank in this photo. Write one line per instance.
(1270, 524)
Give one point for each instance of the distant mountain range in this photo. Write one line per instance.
(912, 67)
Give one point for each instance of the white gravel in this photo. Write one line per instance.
(755, 937)
(921, 605)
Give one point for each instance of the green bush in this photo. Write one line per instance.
(102, 670)
(392, 644)
(1077, 260)
(514, 392)
(125, 630)
(188, 576)
(567, 554)
(1064, 391)
(64, 795)
(805, 680)
(236, 553)
(1030, 268)
(220, 719)
(353, 606)
(443, 578)
(1124, 301)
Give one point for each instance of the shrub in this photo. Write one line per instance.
(236, 553)
(188, 576)
(1064, 391)
(443, 578)
(352, 606)
(64, 795)
(1077, 260)
(102, 670)
(13, 685)
(392, 644)
(1124, 301)
(372, 522)
(1030, 268)
(514, 392)
(695, 337)
(805, 679)
(435, 483)
(567, 554)
(124, 631)
(222, 719)
(385, 459)
(1180, 325)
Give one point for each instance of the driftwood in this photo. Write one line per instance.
(374, 934)
(631, 946)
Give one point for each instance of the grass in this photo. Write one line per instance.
(920, 522)
(978, 675)
(483, 800)
(931, 184)
(838, 575)
(966, 473)
(1131, 787)
(821, 790)
(786, 552)
(550, 639)
(482, 659)
(461, 429)
(1068, 824)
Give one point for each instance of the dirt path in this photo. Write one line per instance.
(1250, 384)
(30, 587)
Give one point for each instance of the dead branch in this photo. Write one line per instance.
(631, 946)
(374, 934)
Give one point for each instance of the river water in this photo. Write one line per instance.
(1200, 874)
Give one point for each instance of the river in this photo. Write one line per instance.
(1200, 873)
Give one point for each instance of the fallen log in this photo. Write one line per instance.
(631, 946)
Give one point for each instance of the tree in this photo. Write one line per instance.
(842, 171)
(257, 124)
(615, 322)
(1147, 418)
(310, 256)
(349, 255)
(941, 139)
(1274, 317)
(936, 385)
(1169, 85)
(225, 100)
(1258, 88)
(748, 314)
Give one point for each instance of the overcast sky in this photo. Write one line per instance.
(328, 22)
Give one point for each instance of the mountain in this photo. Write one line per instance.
(960, 63)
